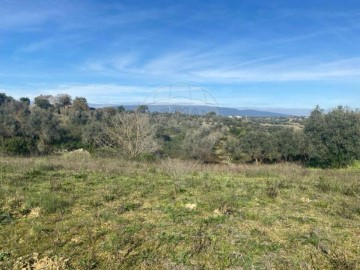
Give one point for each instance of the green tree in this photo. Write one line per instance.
(4, 98)
(80, 104)
(63, 100)
(44, 127)
(200, 144)
(142, 109)
(289, 144)
(13, 115)
(42, 102)
(25, 101)
(256, 145)
(121, 109)
(334, 137)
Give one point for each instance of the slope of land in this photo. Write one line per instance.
(79, 212)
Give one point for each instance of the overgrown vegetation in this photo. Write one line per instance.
(173, 191)
(81, 212)
(58, 124)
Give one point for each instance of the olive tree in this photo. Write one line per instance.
(334, 137)
(200, 144)
(63, 100)
(42, 102)
(80, 104)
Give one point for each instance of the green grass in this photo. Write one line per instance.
(99, 213)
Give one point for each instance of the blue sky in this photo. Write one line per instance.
(252, 54)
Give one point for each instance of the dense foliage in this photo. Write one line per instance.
(55, 124)
(334, 137)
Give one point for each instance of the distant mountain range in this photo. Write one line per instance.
(201, 110)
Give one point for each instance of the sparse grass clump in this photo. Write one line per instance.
(272, 190)
(102, 213)
(50, 202)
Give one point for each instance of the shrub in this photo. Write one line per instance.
(17, 146)
(334, 137)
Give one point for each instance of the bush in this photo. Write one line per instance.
(334, 137)
(17, 146)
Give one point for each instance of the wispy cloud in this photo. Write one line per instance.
(58, 40)
(277, 72)
(109, 50)
(119, 63)
(22, 15)
(25, 15)
(211, 68)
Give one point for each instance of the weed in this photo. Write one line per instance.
(109, 198)
(34, 173)
(340, 261)
(5, 218)
(351, 189)
(81, 176)
(4, 256)
(48, 167)
(16, 203)
(284, 184)
(347, 211)
(202, 241)
(177, 170)
(323, 184)
(272, 189)
(50, 203)
(95, 203)
(89, 262)
(129, 206)
(25, 211)
(214, 220)
(56, 185)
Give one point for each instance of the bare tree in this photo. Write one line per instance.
(128, 134)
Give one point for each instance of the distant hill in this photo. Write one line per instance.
(201, 110)
(250, 113)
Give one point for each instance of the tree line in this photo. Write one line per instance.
(57, 124)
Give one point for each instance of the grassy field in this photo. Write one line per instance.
(98, 213)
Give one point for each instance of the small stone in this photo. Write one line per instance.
(190, 206)
(217, 213)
